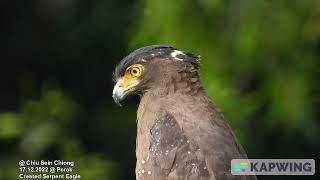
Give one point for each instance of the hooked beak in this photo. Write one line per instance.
(120, 91)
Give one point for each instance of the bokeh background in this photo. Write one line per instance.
(260, 63)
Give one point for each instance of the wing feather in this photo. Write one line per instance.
(205, 127)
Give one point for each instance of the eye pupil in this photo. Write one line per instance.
(135, 71)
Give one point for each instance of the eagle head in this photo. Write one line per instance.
(147, 67)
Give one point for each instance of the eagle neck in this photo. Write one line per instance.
(176, 79)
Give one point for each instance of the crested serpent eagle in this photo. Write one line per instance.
(181, 134)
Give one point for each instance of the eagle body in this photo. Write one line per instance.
(181, 134)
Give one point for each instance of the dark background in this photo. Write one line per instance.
(260, 63)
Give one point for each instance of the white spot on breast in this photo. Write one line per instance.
(142, 171)
(148, 158)
(142, 161)
(175, 53)
(194, 169)
(189, 152)
(149, 172)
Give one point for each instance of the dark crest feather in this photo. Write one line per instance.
(145, 54)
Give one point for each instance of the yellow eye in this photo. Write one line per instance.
(135, 71)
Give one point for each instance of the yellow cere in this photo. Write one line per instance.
(130, 77)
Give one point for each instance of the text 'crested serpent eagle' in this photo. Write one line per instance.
(181, 134)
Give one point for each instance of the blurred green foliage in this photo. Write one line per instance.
(260, 64)
(256, 54)
(48, 122)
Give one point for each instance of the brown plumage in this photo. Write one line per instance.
(181, 134)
